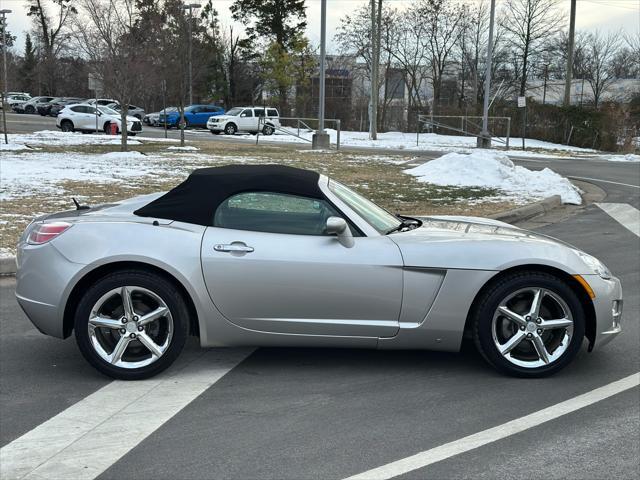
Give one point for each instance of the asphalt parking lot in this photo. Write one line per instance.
(276, 413)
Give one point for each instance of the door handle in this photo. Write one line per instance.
(233, 247)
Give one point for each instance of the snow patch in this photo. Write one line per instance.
(186, 148)
(629, 157)
(489, 169)
(13, 147)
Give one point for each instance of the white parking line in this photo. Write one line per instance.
(87, 438)
(624, 214)
(471, 442)
(604, 181)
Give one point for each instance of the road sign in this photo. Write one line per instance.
(95, 83)
(522, 102)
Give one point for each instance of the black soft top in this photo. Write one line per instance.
(196, 199)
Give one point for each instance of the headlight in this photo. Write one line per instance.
(596, 265)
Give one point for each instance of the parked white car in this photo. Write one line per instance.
(245, 119)
(133, 110)
(15, 99)
(84, 118)
(100, 101)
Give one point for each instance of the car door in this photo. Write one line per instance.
(245, 120)
(269, 266)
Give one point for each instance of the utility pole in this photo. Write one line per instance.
(5, 88)
(375, 61)
(320, 139)
(484, 140)
(190, 7)
(569, 75)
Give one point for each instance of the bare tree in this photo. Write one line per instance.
(529, 23)
(601, 50)
(51, 33)
(107, 36)
(443, 19)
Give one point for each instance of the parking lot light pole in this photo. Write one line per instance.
(5, 88)
(190, 7)
(320, 139)
(484, 140)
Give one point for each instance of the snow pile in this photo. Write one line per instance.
(629, 157)
(186, 148)
(488, 169)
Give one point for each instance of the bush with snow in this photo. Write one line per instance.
(489, 169)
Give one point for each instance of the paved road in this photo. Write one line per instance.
(307, 413)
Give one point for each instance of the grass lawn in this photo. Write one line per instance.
(82, 171)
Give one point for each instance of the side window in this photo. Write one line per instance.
(274, 213)
(196, 110)
(272, 112)
(247, 113)
(78, 109)
(259, 112)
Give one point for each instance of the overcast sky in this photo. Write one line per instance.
(605, 15)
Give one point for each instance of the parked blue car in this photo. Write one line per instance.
(194, 115)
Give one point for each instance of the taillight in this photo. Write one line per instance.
(44, 232)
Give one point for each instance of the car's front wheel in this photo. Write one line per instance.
(131, 324)
(529, 324)
(230, 129)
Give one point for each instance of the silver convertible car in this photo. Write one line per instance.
(276, 256)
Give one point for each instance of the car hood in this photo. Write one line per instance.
(222, 117)
(473, 243)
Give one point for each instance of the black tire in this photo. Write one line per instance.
(29, 109)
(501, 288)
(67, 126)
(159, 285)
(230, 129)
(105, 127)
(268, 130)
(215, 132)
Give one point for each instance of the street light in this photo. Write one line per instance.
(320, 139)
(5, 85)
(484, 140)
(191, 7)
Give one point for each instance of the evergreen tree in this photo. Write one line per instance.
(28, 69)
(282, 21)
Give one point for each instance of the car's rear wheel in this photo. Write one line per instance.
(66, 126)
(529, 324)
(29, 109)
(267, 130)
(230, 129)
(131, 324)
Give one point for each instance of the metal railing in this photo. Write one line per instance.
(300, 125)
(466, 122)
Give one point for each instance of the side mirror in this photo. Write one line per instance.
(338, 226)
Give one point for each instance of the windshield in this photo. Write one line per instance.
(234, 112)
(374, 215)
(108, 111)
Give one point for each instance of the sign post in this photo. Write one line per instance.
(95, 84)
(522, 103)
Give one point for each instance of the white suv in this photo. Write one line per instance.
(82, 117)
(245, 119)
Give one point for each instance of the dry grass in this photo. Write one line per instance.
(378, 176)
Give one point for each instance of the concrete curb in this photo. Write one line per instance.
(524, 213)
(8, 265)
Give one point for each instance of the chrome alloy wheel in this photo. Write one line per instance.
(130, 327)
(532, 327)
